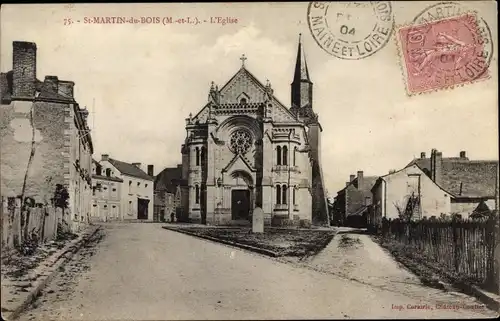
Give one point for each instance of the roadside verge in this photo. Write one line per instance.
(235, 244)
(430, 276)
(15, 302)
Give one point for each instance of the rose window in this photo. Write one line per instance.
(240, 141)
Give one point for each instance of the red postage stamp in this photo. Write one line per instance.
(443, 53)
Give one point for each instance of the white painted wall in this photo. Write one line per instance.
(399, 185)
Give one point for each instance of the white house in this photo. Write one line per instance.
(136, 190)
(409, 189)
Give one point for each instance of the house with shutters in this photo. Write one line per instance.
(106, 194)
(136, 189)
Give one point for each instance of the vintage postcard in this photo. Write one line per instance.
(269, 160)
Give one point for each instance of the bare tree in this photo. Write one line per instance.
(409, 208)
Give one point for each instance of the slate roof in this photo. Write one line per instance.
(462, 177)
(129, 169)
(301, 71)
(369, 181)
(168, 179)
(106, 178)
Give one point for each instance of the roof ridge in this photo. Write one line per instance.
(140, 173)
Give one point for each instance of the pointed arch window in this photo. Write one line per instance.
(197, 194)
(278, 194)
(284, 194)
(197, 156)
(285, 155)
(202, 156)
(295, 156)
(278, 155)
(293, 195)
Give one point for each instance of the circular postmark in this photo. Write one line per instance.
(351, 30)
(451, 42)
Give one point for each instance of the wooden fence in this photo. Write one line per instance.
(41, 223)
(463, 247)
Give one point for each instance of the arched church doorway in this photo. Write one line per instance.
(241, 195)
(240, 204)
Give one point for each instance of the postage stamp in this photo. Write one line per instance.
(351, 30)
(441, 50)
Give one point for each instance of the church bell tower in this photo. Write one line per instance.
(302, 86)
(302, 101)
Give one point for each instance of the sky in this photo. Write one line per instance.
(142, 80)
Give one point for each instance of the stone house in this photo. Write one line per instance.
(167, 187)
(244, 149)
(469, 182)
(352, 203)
(106, 194)
(410, 191)
(136, 191)
(45, 140)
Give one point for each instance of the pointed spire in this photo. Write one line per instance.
(301, 71)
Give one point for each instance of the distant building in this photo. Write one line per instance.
(469, 182)
(168, 204)
(106, 194)
(136, 190)
(408, 193)
(352, 203)
(44, 134)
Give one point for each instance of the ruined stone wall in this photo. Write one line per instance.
(24, 125)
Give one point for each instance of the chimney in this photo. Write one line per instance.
(66, 88)
(360, 179)
(422, 155)
(24, 69)
(151, 170)
(138, 165)
(85, 114)
(463, 154)
(351, 177)
(436, 163)
(51, 84)
(104, 157)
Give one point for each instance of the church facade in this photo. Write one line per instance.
(245, 149)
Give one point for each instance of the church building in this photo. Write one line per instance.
(245, 149)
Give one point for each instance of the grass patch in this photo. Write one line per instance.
(347, 242)
(17, 264)
(284, 242)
